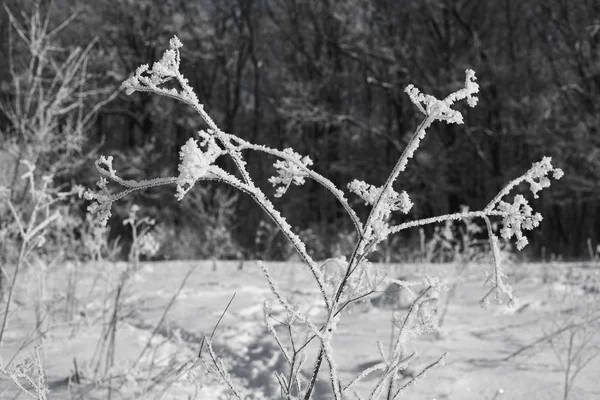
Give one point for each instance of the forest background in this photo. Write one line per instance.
(325, 78)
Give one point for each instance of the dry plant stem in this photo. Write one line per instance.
(423, 372)
(550, 336)
(282, 348)
(577, 370)
(417, 302)
(287, 306)
(110, 354)
(11, 288)
(31, 337)
(356, 253)
(567, 382)
(219, 365)
(497, 279)
(364, 374)
(452, 292)
(189, 365)
(393, 365)
(164, 314)
(397, 361)
(398, 168)
(218, 322)
(41, 383)
(47, 90)
(259, 197)
(448, 217)
(36, 388)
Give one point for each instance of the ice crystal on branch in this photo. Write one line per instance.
(394, 202)
(107, 162)
(195, 163)
(518, 216)
(148, 245)
(440, 109)
(175, 43)
(162, 71)
(167, 66)
(102, 204)
(289, 172)
(101, 210)
(536, 176)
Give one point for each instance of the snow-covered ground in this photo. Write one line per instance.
(477, 340)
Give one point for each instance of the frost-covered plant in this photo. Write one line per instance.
(49, 103)
(143, 244)
(28, 376)
(31, 222)
(573, 335)
(355, 278)
(570, 331)
(29, 226)
(46, 105)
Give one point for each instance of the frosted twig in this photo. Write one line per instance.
(273, 333)
(498, 286)
(364, 374)
(442, 218)
(221, 368)
(536, 176)
(406, 325)
(287, 306)
(420, 375)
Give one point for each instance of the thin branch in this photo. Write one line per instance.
(220, 368)
(420, 375)
(549, 337)
(164, 314)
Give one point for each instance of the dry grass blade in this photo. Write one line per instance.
(164, 314)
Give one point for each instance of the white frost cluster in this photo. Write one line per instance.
(148, 245)
(195, 163)
(378, 228)
(440, 109)
(102, 202)
(289, 171)
(537, 175)
(519, 215)
(107, 162)
(394, 202)
(146, 79)
(169, 64)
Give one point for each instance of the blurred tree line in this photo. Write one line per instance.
(326, 78)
